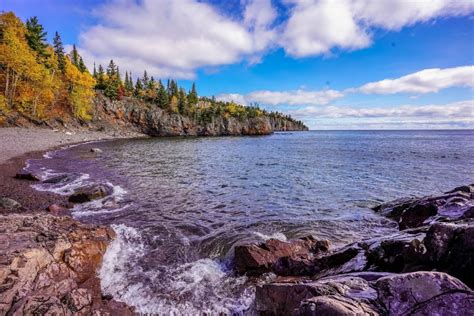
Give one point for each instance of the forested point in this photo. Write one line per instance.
(42, 81)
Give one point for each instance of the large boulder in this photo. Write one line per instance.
(9, 204)
(450, 248)
(27, 176)
(90, 193)
(403, 293)
(280, 257)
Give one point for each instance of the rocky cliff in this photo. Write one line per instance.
(131, 114)
(152, 120)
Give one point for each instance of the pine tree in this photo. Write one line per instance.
(113, 82)
(182, 101)
(100, 78)
(81, 66)
(75, 56)
(94, 72)
(145, 79)
(138, 88)
(59, 51)
(193, 96)
(163, 99)
(36, 38)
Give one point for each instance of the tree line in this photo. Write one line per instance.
(43, 81)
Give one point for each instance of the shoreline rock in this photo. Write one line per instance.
(423, 269)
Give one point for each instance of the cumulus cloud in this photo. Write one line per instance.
(172, 38)
(296, 97)
(317, 26)
(424, 81)
(461, 109)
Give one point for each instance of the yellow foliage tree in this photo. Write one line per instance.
(81, 85)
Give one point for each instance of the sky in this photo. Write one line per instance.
(340, 64)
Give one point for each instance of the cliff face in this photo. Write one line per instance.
(151, 120)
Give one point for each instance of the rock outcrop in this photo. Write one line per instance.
(416, 293)
(48, 267)
(153, 121)
(389, 275)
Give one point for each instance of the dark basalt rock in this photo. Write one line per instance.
(90, 193)
(413, 212)
(27, 176)
(59, 179)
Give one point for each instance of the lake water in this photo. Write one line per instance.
(181, 204)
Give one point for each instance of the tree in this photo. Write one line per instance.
(59, 51)
(193, 96)
(113, 82)
(82, 67)
(138, 88)
(36, 38)
(163, 98)
(100, 78)
(145, 79)
(182, 102)
(75, 56)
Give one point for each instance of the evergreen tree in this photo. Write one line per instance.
(193, 96)
(163, 99)
(94, 73)
(36, 38)
(138, 88)
(145, 80)
(81, 66)
(173, 89)
(100, 78)
(182, 101)
(59, 51)
(75, 56)
(113, 82)
(151, 83)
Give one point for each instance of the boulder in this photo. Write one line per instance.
(58, 179)
(90, 193)
(402, 293)
(283, 258)
(27, 176)
(96, 150)
(9, 204)
(450, 248)
(334, 305)
(416, 212)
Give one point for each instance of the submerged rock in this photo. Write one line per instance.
(96, 150)
(90, 193)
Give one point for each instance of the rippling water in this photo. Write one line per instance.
(181, 204)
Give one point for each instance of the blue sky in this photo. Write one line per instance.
(309, 58)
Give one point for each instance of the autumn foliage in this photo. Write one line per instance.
(34, 79)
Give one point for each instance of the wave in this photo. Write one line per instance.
(202, 286)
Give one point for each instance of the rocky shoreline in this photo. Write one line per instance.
(49, 260)
(424, 269)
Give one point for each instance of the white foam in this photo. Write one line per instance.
(193, 288)
(62, 188)
(277, 235)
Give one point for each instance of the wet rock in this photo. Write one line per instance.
(454, 304)
(48, 267)
(96, 150)
(90, 193)
(284, 258)
(415, 212)
(334, 305)
(9, 204)
(58, 210)
(27, 176)
(58, 179)
(450, 248)
(401, 293)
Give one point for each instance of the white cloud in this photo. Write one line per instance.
(317, 26)
(172, 38)
(461, 109)
(296, 97)
(456, 114)
(424, 81)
